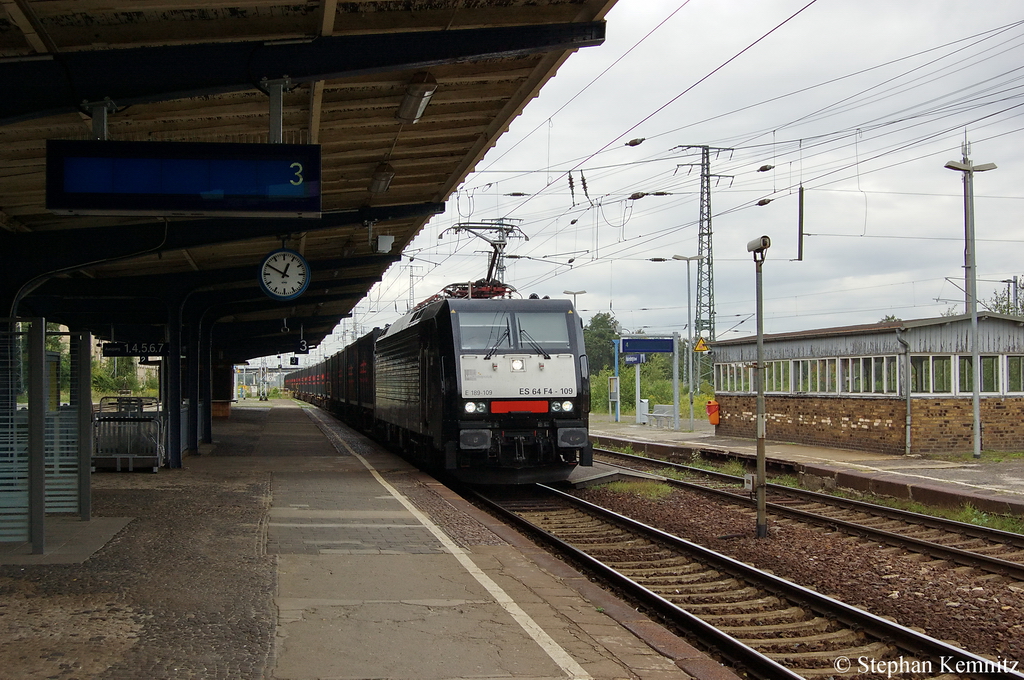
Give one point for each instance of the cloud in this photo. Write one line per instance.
(861, 103)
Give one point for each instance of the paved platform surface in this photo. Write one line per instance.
(990, 486)
(294, 549)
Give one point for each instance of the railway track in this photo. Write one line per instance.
(991, 550)
(765, 626)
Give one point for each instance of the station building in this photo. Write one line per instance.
(901, 387)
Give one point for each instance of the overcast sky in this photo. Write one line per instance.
(861, 103)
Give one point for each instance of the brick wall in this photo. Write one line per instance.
(946, 425)
(877, 424)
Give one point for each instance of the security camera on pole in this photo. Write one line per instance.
(759, 247)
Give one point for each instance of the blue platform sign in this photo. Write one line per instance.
(92, 177)
(632, 359)
(645, 345)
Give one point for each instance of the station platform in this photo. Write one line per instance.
(295, 549)
(988, 486)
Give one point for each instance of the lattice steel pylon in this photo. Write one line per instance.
(704, 322)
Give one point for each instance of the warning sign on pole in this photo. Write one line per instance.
(701, 346)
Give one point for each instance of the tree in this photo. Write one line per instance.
(598, 336)
(114, 375)
(1002, 301)
(890, 318)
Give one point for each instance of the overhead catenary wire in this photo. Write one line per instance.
(827, 172)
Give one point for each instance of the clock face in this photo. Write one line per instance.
(284, 274)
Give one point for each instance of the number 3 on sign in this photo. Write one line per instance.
(298, 174)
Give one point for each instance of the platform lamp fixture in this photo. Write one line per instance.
(968, 169)
(759, 248)
(381, 178)
(417, 95)
(574, 293)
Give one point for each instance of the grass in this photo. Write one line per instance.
(986, 456)
(736, 468)
(966, 513)
(677, 474)
(650, 490)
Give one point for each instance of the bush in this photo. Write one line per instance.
(657, 389)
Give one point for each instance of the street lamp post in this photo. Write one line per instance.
(689, 330)
(574, 293)
(759, 247)
(971, 282)
(1012, 294)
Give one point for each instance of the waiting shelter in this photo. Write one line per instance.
(901, 387)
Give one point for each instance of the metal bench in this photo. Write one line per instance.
(662, 415)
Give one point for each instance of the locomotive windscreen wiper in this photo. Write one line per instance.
(505, 335)
(524, 335)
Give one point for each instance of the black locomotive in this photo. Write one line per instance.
(490, 391)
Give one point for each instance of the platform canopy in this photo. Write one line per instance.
(210, 71)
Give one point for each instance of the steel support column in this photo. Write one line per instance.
(37, 435)
(172, 393)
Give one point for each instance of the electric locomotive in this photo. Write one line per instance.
(493, 391)
(490, 391)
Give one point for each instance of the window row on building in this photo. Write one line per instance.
(929, 374)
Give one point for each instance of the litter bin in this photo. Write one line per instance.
(713, 415)
(643, 411)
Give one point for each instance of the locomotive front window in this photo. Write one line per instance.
(485, 330)
(547, 329)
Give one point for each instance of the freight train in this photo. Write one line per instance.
(488, 391)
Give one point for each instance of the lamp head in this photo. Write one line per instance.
(759, 245)
(417, 95)
(381, 178)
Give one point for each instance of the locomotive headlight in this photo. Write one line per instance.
(556, 407)
(470, 407)
(518, 365)
(566, 406)
(476, 407)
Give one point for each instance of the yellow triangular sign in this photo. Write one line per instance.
(701, 346)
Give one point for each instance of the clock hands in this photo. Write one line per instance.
(284, 273)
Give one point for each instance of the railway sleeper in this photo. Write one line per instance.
(692, 580)
(683, 565)
(606, 536)
(612, 553)
(997, 550)
(724, 592)
(584, 528)
(761, 604)
(697, 589)
(605, 546)
(925, 534)
(884, 524)
(565, 524)
(826, 657)
(830, 639)
(558, 519)
(817, 624)
(791, 614)
(968, 543)
(662, 573)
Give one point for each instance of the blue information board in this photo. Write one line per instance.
(645, 345)
(92, 177)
